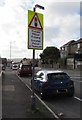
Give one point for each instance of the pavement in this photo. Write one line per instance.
(17, 101)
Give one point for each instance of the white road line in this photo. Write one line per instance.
(48, 108)
(76, 76)
(78, 98)
(77, 81)
(41, 101)
(0, 73)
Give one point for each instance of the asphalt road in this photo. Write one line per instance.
(69, 106)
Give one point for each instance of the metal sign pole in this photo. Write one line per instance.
(33, 73)
(33, 106)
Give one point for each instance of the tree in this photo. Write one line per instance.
(50, 55)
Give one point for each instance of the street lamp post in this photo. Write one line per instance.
(33, 72)
(10, 50)
(11, 45)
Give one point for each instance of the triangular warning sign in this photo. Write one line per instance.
(35, 22)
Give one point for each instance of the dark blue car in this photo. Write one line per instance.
(50, 82)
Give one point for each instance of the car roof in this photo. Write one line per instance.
(51, 71)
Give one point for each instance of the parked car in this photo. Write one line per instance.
(50, 82)
(24, 69)
(3, 67)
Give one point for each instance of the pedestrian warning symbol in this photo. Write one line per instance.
(35, 22)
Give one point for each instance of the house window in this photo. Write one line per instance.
(62, 48)
(78, 45)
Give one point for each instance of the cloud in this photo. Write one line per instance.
(2, 3)
(52, 32)
(61, 24)
(27, 4)
(59, 11)
(65, 8)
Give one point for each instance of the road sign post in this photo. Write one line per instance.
(35, 40)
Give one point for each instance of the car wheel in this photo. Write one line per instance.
(31, 83)
(71, 92)
(30, 74)
(20, 75)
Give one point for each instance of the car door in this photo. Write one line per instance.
(38, 81)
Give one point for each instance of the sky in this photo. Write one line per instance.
(61, 25)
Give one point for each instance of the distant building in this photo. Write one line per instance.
(72, 51)
(65, 50)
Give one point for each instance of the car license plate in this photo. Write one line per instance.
(62, 90)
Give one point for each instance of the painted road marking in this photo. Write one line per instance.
(77, 81)
(0, 73)
(78, 98)
(76, 76)
(0, 87)
(41, 101)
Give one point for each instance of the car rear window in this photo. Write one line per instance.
(58, 76)
(26, 66)
(15, 65)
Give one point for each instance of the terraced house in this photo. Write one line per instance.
(72, 53)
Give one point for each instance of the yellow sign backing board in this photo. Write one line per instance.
(35, 20)
(35, 30)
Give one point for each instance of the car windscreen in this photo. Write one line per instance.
(58, 76)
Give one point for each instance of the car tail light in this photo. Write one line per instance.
(71, 83)
(19, 68)
(31, 68)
